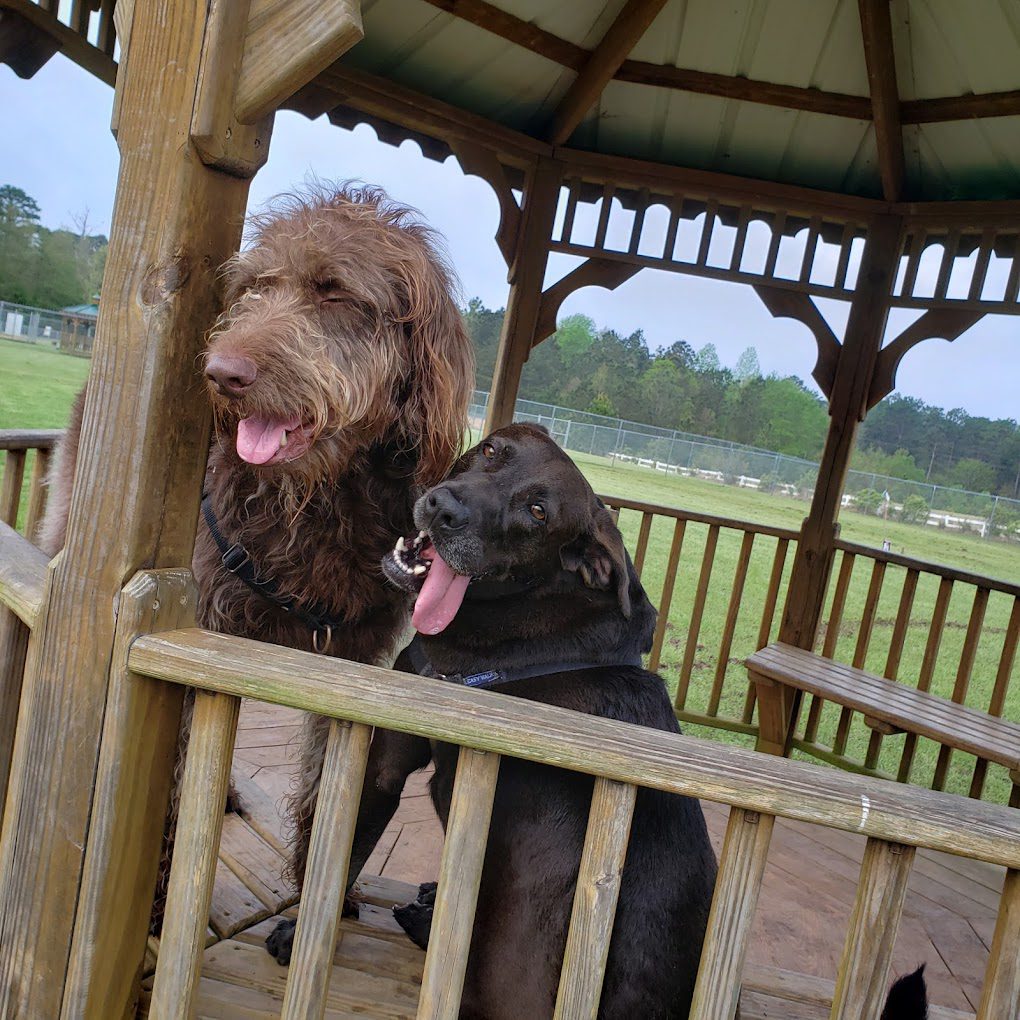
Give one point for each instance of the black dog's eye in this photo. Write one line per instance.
(488, 451)
(537, 511)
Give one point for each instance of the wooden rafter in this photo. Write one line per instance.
(631, 23)
(593, 272)
(876, 31)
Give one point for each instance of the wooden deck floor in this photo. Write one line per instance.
(801, 921)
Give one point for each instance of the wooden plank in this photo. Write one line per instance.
(1000, 996)
(730, 624)
(288, 43)
(10, 492)
(639, 221)
(876, 31)
(595, 897)
(768, 613)
(569, 213)
(22, 575)
(977, 281)
(596, 746)
(199, 821)
(862, 981)
(630, 24)
(604, 212)
(329, 852)
(233, 906)
(142, 456)
(697, 613)
(459, 876)
(711, 212)
(741, 237)
(260, 811)
(260, 866)
(701, 518)
(917, 242)
(845, 250)
(29, 439)
(741, 870)
(642, 542)
(810, 247)
(133, 782)
(666, 598)
(37, 493)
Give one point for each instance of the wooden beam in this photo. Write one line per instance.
(593, 272)
(144, 442)
(288, 43)
(630, 24)
(972, 107)
(876, 31)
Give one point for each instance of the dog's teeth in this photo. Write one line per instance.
(401, 544)
(421, 569)
(283, 438)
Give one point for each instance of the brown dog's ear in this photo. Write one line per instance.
(434, 415)
(600, 559)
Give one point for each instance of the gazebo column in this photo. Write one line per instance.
(527, 274)
(142, 457)
(848, 403)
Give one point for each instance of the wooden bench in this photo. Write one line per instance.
(887, 702)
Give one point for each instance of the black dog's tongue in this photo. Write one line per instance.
(440, 596)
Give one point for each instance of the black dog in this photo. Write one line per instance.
(519, 568)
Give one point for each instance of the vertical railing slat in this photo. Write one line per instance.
(460, 873)
(639, 221)
(730, 626)
(807, 263)
(37, 493)
(667, 594)
(607, 208)
(741, 239)
(594, 908)
(861, 983)
(329, 852)
(768, 614)
(778, 224)
(711, 211)
(642, 542)
(977, 282)
(199, 825)
(741, 868)
(952, 245)
(10, 493)
(846, 245)
(573, 192)
(913, 262)
(697, 612)
(1000, 995)
(675, 211)
(963, 675)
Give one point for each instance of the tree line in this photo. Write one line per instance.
(588, 368)
(42, 267)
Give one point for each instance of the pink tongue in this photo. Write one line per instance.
(258, 439)
(440, 597)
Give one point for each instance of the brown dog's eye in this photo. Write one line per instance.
(537, 511)
(488, 451)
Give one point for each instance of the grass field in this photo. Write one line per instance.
(37, 387)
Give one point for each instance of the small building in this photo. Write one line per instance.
(78, 328)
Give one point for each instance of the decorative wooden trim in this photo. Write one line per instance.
(630, 25)
(876, 31)
(947, 323)
(792, 304)
(482, 162)
(68, 41)
(288, 43)
(24, 46)
(593, 272)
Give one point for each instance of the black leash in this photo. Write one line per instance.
(237, 560)
(497, 677)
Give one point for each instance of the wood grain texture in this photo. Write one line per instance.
(10, 490)
(22, 575)
(29, 439)
(329, 852)
(199, 821)
(616, 750)
(142, 456)
(880, 58)
(863, 978)
(595, 897)
(460, 873)
(1000, 996)
(135, 773)
(741, 869)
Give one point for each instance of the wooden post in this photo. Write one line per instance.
(143, 450)
(527, 274)
(847, 406)
(1000, 996)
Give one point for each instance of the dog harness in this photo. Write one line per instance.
(237, 560)
(497, 677)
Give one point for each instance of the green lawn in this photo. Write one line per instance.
(38, 385)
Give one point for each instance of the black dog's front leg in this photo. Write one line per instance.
(391, 759)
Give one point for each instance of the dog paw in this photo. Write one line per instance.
(416, 917)
(281, 941)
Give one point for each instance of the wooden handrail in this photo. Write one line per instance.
(615, 750)
(22, 575)
(29, 439)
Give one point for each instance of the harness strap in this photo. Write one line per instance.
(497, 677)
(237, 560)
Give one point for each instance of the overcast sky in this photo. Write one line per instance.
(55, 144)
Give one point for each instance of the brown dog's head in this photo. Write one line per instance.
(515, 508)
(340, 330)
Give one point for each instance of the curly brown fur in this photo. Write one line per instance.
(340, 308)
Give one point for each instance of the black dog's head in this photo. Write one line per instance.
(514, 509)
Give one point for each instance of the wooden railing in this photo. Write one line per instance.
(896, 819)
(25, 447)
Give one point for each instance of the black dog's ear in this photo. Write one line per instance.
(600, 559)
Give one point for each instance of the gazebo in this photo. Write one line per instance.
(878, 141)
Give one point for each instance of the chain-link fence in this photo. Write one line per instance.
(23, 322)
(682, 453)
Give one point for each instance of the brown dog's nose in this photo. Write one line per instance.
(231, 374)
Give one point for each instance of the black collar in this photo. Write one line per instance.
(237, 560)
(497, 677)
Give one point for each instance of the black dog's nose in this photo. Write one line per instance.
(446, 513)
